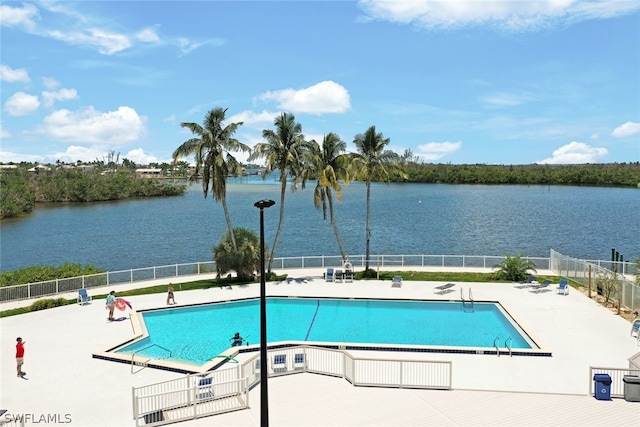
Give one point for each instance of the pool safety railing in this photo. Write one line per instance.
(225, 390)
(144, 363)
(467, 305)
(507, 345)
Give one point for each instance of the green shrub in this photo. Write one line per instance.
(43, 304)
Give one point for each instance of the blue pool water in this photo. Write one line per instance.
(198, 333)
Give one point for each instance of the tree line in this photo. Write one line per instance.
(606, 175)
(22, 188)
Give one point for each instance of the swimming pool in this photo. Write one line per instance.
(196, 334)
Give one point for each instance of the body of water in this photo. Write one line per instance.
(584, 222)
(197, 334)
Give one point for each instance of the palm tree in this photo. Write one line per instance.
(245, 261)
(211, 147)
(283, 151)
(328, 165)
(372, 162)
(514, 268)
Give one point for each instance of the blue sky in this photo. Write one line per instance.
(506, 82)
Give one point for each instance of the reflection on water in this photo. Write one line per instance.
(584, 222)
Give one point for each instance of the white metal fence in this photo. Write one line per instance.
(582, 271)
(60, 286)
(226, 390)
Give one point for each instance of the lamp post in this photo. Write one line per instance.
(264, 373)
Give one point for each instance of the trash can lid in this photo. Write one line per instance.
(631, 379)
(602, 377)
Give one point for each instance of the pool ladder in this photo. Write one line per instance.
(507, 344)
(146, 362)
(467, 305)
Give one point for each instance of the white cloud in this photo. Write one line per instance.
(61, 95)
(323, 97)
(626, 129)
(4, 132)
(106, 42)
(18, 16)
(433, 151)
(8, 74)
(139, 157)
(148, 35)
(8, 157)
(502, 15)
(575, 153)
(506, 100)
(21, 104)
(50, 83)
(250, 118)
(74, 153)
(88, 126)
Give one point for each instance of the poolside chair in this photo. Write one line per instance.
(83, 297)
(279, 363)
(635, 328)
(330, 276)
(396, 282)
(541, 287)
(204, 388)
(299, 363)
(348, 272)
(444, 289)
(563, 287)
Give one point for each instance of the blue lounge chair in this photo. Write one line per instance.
(563, 287)
(635, 328)
(83, 297)
(396, 282)
(330, 276)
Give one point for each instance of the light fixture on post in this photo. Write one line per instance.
(264, 373)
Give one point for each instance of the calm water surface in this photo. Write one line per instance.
(197, 334)
(583, 222)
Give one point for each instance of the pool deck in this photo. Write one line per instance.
(64, 379)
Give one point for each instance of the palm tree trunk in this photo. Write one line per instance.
(368, 225)
(229, 225)
(335, 226)
(283, 190)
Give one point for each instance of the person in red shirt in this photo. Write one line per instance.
(20, 355)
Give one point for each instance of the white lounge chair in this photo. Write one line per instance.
(279, 363)
(299, 362)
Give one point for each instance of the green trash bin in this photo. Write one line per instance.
(631, 388)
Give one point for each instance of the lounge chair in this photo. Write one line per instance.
(83, 297)
(635, 328)
(348, 271)
(330, 276)
(299, 363)
(443, 289)
(541, 287)
(529, 281)
(563, 287)
(279, 363)
(204, 388)
(396, 282)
